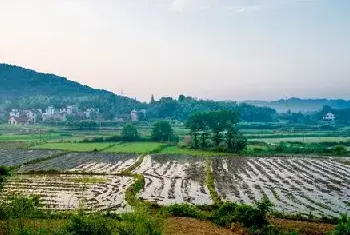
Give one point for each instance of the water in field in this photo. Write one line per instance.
(320, 186)
(171, 179)
(294, 185)
(66, 192)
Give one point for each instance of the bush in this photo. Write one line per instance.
(88, 225)
(339, 149)
(343, 226)
(4, 171)
(141, 222)
(225, 215)
(184, 210)
(249, 216)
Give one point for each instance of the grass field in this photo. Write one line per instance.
(29, 137)
(137, 147)
(78, 147)
(192, 152)
(302, 139)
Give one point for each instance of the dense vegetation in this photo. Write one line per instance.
(302, 105)
(28, 89)
(216, 130)
(183, 107)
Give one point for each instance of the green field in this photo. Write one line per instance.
(137, 147)
(78, 147)
(302, 139)
(192, 152)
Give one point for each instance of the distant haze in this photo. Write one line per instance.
(215, 49)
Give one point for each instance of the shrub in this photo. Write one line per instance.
(185, 210)
(141, 222)
(339, 149)
(249, 216)
(343, 226)
(225, 215)
(4, 171)
(88, 225)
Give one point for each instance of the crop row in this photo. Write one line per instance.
(94, 162)
(294, 185)
(64, 192)
(17, 157)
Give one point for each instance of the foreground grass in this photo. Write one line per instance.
(135, 147)
(301, 139)
(77, 147)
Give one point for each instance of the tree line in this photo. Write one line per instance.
(216, 130)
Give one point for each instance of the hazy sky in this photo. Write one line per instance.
(218, 49)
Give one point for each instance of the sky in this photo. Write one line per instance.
(211, 49)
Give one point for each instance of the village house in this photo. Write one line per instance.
(91, 112)
(134, 116)
(31, 115)
(329, 117)
(19, 120)
(14, 113)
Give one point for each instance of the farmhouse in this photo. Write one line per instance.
(19, 121)
(134, 116)
(329, 117)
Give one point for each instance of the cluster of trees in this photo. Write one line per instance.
(183, 107)
(216, 130)
(161, 131)
(313, 118)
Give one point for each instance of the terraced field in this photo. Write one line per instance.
(14, 157)
(76, 147)
(174, 179)
(64, 192)
(320, 186)
(294, 185)
(101, 163)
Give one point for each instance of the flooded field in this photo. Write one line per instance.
(64, 192)
(174, 179)
(103, 163)
(13, 157)
(320, 186)
(294, 185)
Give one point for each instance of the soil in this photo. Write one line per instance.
(304, 227)
(186, 226)
(182, 226)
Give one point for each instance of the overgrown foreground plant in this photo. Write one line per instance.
(21, 215)
(343, 226)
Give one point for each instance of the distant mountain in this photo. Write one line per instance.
(26, 88)
(301, 105)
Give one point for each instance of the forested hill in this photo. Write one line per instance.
(26, 88)
(20, 82)
(301, 105)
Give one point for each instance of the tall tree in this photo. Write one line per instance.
(162, 131)
(130, 133)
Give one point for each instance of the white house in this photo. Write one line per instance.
(71, 109)
(329, 117)
(31, 115)
(90, 112)
(18, 121)
(14, 113)
(134, 116)
(50, 111)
